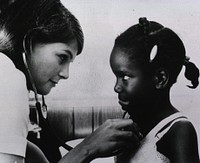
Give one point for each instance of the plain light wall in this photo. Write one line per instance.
(91, 80)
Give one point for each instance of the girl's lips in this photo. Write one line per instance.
(123, 103)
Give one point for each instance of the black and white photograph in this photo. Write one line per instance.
(110, 81)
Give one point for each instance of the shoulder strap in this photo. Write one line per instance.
(162, 124)
(167, 127)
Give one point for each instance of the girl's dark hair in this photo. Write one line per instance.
(140, 39)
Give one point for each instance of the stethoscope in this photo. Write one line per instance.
(41, 110)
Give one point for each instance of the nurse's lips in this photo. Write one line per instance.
(54, 82)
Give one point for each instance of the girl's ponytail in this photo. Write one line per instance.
(191, 73)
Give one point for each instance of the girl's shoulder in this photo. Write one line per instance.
(181, 130)
(180, 142)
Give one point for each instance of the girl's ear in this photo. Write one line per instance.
(161, 78)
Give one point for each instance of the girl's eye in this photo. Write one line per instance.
(125, 78)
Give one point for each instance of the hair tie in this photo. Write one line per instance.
(186, 60)
(153, 53)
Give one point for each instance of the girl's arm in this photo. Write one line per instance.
(180, 143)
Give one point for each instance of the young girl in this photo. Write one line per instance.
(38, 41)
(146, 60)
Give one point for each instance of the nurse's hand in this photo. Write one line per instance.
(112, 137)
(109, 139)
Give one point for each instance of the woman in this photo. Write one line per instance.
(38, 41)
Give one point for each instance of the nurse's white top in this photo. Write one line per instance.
(14, 108)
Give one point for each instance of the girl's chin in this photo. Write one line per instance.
(124, 104)
(128, 109)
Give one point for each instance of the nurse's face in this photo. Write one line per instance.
(48, 63)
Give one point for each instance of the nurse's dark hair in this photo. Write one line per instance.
(23, 23)
(141, 38)
(37, 21)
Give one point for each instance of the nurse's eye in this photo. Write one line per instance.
(63, 58)
(126, 78)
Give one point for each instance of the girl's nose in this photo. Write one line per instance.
(118, 87)
(64, 73)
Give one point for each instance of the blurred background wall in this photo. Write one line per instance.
(91, 80)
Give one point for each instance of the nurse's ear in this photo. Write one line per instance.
(161, 78)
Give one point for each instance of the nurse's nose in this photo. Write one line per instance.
(64, 72)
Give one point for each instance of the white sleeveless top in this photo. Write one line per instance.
(147, 151)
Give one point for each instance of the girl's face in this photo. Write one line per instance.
(48, 63)
(134, 88)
